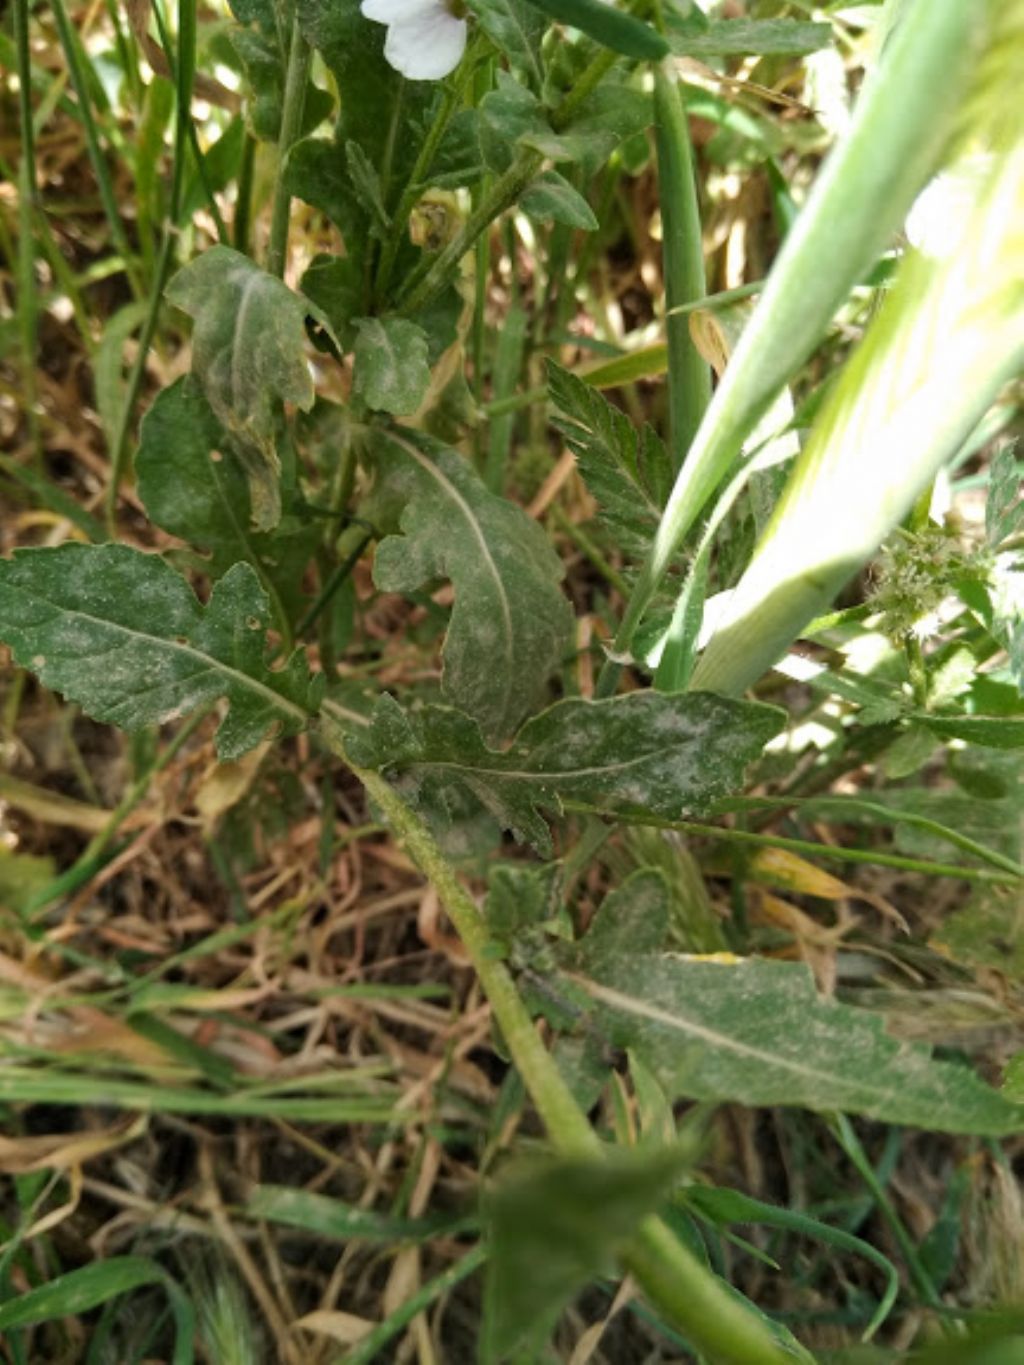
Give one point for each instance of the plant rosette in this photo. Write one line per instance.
(426, 38)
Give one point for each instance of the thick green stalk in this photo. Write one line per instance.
(300, 55)
(859, 200)
(950, 335)
(696, 1300)
(689, 378)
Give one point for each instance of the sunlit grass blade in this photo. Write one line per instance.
(859, 200)
(950, 335)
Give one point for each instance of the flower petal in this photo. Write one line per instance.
(397, 11)
(427, 45)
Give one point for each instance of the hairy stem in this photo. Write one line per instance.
(711, 1316)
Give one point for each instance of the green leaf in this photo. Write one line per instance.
(391, 373)
(511, 623)
(634, 918)
(108, 368)
(336, 286)
(556, 1226)
(612, 113)
(992, 732)
(643, 751)
(520, 896)
(23, 877)
(628, 472)
(507, 114)
(248, 351)
(316, 171)
(81, 1290)
(332, 1218)
(757, 1033)
(516, 28)
(1004, 510)
(551, 199)
(724, 1206)
(122, 634)
(988, 932)
(740, 37)
(366, 184)
(377, 103)
(192, 485)
(610, 27)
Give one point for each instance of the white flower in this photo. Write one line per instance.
(426, 38)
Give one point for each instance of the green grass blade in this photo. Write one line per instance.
(859, 200)
(86, 1288)
(950, 335)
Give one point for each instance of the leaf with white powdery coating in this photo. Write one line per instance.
(649, 752)
(192, 484)
(248, 351)
(511, 623)
(122, 634)
(391, 372)
(757, 1032)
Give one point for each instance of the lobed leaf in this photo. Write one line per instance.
(511, 623)
(122, 634)
(391, 372)
(644, 751)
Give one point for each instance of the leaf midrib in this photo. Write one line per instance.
(213, 664)
(642, 1009)
(477, 530)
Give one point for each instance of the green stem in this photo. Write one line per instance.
(501, 195)
(917, 670)
(184, 73)
(834, 852)
(700, 1304)
(696, 1300)
(340, 572)
(429, 281)
(850, 1144)
(689, 378)
(104, 184)
(28, 312)
(568, 1127)
(589, 80)
(450, 100)
(243, 201)
(300, 55)
(367, 1348)
(90, 860)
